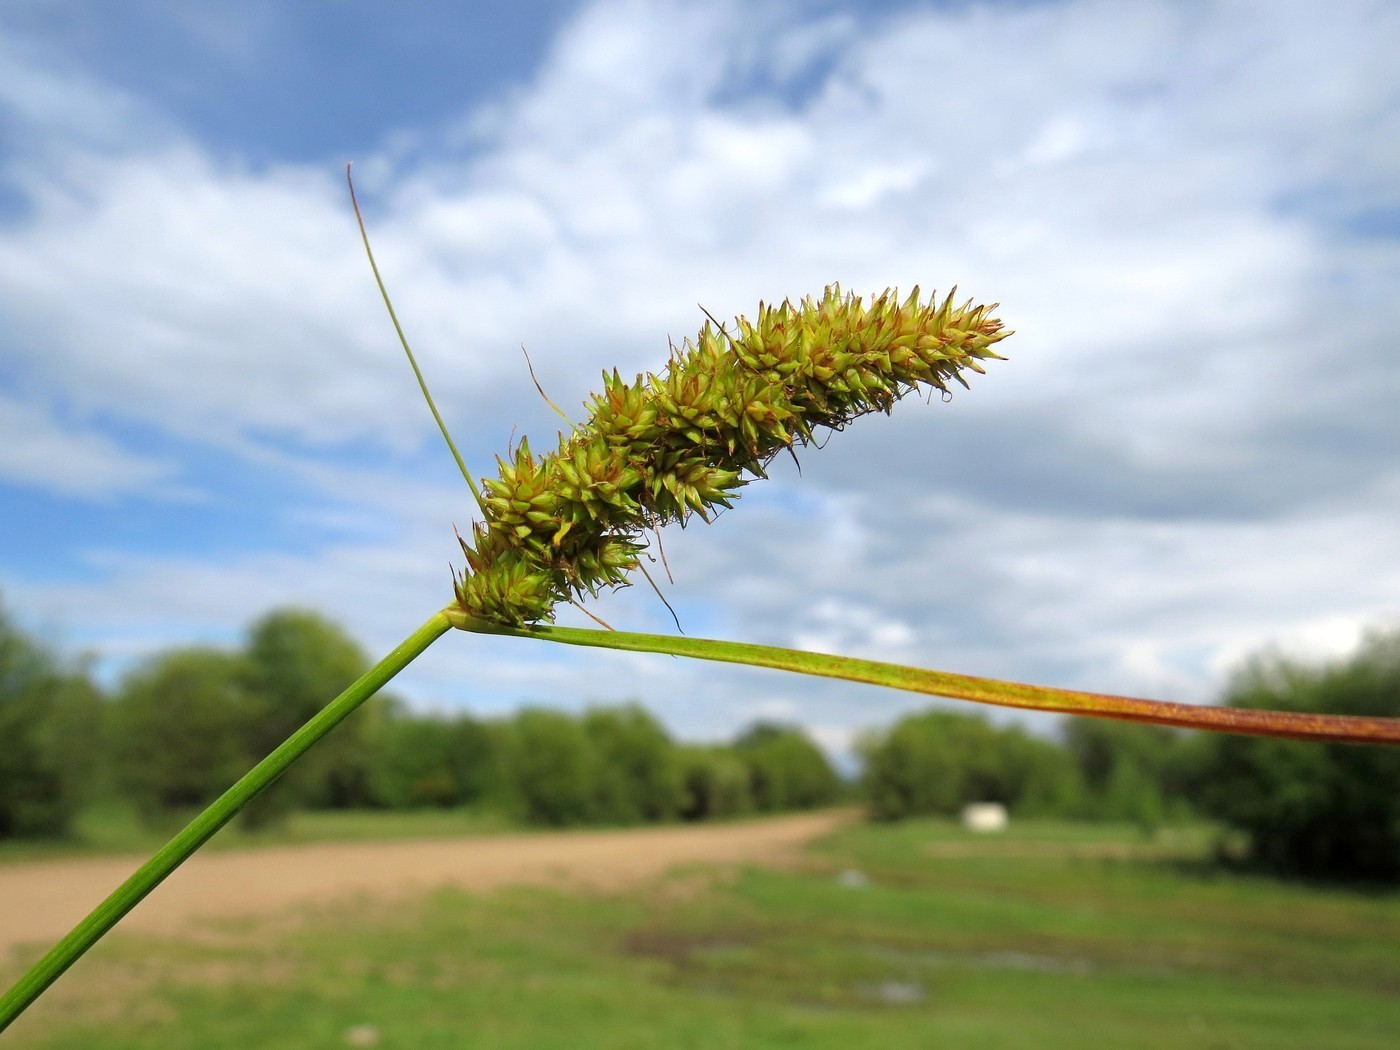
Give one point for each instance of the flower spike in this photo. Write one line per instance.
(662, 448)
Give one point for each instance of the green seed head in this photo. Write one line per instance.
(656, 450)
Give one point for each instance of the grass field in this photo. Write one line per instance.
(115, 828)
(916, 935)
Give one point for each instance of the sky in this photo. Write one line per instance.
(1189, 212)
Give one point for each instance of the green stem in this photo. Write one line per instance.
(220, 812)
(1292, 724)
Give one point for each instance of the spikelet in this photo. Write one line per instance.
(661, 448)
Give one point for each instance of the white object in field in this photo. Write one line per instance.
(853, 879)
(984, 816)
(362, 1035)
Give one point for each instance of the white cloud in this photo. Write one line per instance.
(62, 114)
(212, 304)
(1118, 175)
(74, 460)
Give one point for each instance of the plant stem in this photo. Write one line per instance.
(1292, 724)
(220, 812)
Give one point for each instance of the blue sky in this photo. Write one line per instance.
(1189, 212)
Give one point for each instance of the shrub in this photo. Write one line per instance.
(427, 760)
(49, 720)
(939, 761)
(553, 768)
(639, 773)
(716, 783)
(296, 661)
(1313, 810)
(177, 729)
(1130, 770)
(786, 770)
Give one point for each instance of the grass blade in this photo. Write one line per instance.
(1291, 724)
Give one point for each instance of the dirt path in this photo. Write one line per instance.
(41, 901)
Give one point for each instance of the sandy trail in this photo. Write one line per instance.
(41, 901)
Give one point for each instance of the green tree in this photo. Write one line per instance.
(411, 765)
(716, 783)
(474, 755)
(553, 768)
(1313, 810)
(178, 729)
(424, 760)
(639, 774)
(786, 770)
(1130, 769)
(49, 737)
(297, 661)
(1135, 796)
(1043, 779)
(936, 762)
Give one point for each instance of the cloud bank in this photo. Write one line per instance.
(1187, 211)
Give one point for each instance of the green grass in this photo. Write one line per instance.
(910, 936)
(114, 828)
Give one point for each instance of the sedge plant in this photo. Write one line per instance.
(565, 525)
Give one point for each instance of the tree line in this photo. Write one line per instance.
(185, 723)
(1304, 809)
(938, 761)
